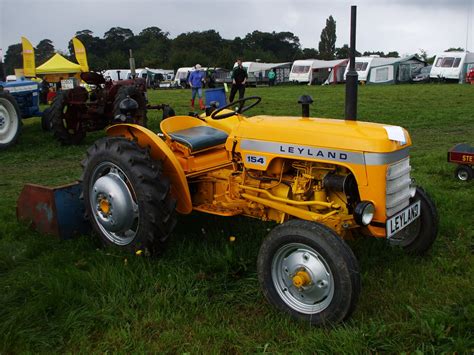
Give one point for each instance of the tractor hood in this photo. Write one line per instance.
(322, 133)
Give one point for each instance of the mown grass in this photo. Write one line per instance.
(201, 295)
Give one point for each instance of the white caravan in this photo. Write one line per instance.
(116, 74)
(302, 70)
(363, 65)
(452, 66)
(318, 71)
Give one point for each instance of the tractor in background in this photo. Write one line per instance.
(18, 99)
(76, 111)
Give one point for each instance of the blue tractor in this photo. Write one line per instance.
(18, 99)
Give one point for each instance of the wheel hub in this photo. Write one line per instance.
(2, 121)
(114, 206)
(462, 175)
(302, 278)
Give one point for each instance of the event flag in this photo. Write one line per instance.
(81, 55)
(29, 68)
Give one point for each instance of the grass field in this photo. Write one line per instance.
(202, 295)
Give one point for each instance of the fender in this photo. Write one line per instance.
(159, 150)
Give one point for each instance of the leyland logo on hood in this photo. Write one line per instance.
(302, 151)
(312, 152)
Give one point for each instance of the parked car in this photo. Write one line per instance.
(423, 76)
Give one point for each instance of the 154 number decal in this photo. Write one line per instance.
(256, 159)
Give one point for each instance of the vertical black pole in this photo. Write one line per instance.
(352, 78)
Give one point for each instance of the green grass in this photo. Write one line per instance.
(202, 295)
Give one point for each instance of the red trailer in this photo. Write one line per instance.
(463, 155)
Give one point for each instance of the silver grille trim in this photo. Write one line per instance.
(397, 189)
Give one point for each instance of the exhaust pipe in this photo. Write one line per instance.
(132, 64)
(352, 78)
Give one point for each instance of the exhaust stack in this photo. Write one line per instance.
(352, 78)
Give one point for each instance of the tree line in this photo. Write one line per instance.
(153, 48)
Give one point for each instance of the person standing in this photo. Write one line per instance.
(239, 79)
(271, 77)
(196, 79)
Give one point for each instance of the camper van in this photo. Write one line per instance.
(301, 70)
(452, 66)
(154, 77)
(316, 71)
(116, 74)
(363, 65)
(182, 74)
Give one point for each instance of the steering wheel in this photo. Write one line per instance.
(217, 115)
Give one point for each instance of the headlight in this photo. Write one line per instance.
(364, 212)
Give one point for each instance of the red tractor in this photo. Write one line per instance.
(77, 111)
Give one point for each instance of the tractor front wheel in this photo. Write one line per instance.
(10, 120)
(418, 237)
(127, 196)
(65, 120)
(307, 271)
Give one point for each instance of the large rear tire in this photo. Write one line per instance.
(140, 116)
(307, 271)
(66, 120)
(127, 197)
(10, 120)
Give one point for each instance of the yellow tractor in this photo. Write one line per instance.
(322, 180)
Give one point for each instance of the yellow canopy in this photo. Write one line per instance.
(58, 65)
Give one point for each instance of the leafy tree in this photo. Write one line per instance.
(116, 34)
(44, 51)
(13, 58)
(423, 55)
(281, 46)
(452, 49)
(343, 52)
(153, 48)
(392, 54)
(309, 53)
(327, 44)
(369, 53)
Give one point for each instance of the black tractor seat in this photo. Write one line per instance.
(199, 137)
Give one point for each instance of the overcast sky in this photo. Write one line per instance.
(401, 25)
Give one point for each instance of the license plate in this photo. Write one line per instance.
(403, 219)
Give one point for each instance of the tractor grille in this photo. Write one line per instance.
(398, 187)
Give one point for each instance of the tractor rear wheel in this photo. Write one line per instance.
(127, 197)
(140, 117)
(10, 120)
(307, 271)
(66, 120)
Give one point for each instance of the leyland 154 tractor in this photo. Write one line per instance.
(322, 180)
